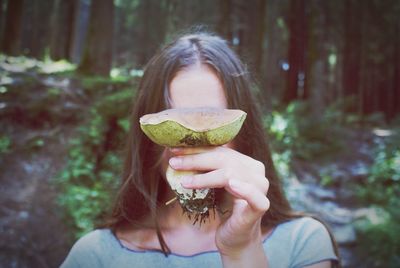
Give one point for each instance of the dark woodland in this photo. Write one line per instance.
(327, 78)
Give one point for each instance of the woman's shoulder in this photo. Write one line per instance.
(90, 247)
(302, 230)
(303, 225)
(95, 240)
(304, 240)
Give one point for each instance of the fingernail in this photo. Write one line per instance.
(235, 184)
(186, 181)
(174, 161)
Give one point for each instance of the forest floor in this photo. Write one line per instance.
(32, 230)
(337, 202)
(34, 137)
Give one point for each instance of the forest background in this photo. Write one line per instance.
(327, 79)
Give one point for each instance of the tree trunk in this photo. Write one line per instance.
(34, 41)
(97, 57)
(79, 32)
(249, 29)
(144, 34)
(335, 41)
(296, 85)
(395, 98)
(317, 60)
(170, 16)
(12, 30)
(352, 50)
(274, 71)
(259, 36)
(62, 26)
(224, 27)
(2, 15)
(36, 30)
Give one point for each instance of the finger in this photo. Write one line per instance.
(257, 201)
(247, 161)
(214, 179)
(205, 161)
(218, 157)
(219, 178)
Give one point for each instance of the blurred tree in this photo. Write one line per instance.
(324, 40)
(13, 26)
(97, 55)
(394, 106)
(377, 72)
(334, 36)
(126, 17)
(370, 56)
(245, 28)
(297, 80)
(2, 15)
(224, 26)
(36, 29)
(79, 29)
(152, 32)
(317, 55)
(250, 29)
(352, 50)
(243, 23)
(388, 66)
(184, 16)
(322, 51)
(274, 60)
(62, 24)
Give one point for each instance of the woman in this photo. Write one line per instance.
(259, 230)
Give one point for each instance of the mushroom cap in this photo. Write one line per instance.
(204, 126)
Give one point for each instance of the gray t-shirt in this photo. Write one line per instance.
(296, 243)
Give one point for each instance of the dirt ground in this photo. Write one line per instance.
(32, 230)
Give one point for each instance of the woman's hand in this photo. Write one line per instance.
(244, 178)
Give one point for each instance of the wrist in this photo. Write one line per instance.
(232, 245)
(234, 250)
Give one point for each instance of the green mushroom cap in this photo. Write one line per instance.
(205, 126)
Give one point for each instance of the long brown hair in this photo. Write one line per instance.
(143, 188)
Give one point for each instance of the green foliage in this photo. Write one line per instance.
(92, 174)
(379, 240)
(297, 131)
(24, 64)
(383, 184)
(91, 82)
(282, 163)
(54, 92)
(297, 134)
(35, 143)
(326, 179)
(84, 190)
(5, 144)
(2, 88)
(115, 105)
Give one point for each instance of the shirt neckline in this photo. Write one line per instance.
(115, 238)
